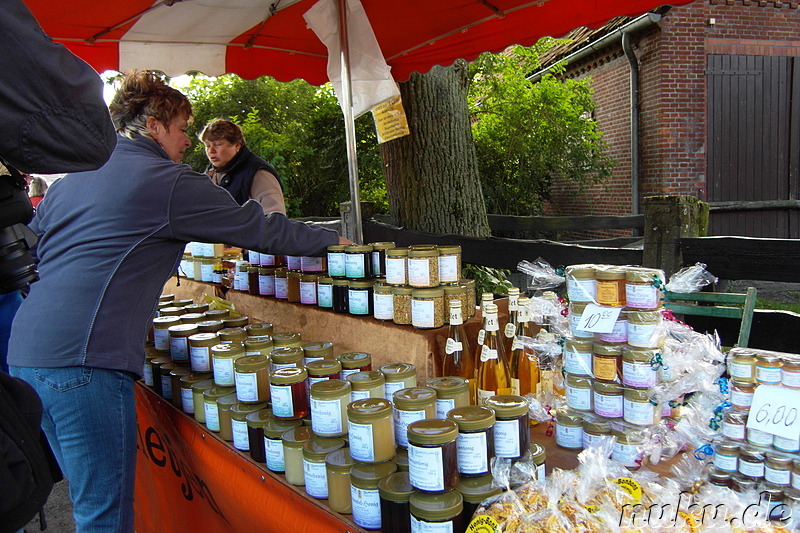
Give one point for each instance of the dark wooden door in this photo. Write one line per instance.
(753, 144)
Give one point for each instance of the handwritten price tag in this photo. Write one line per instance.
(598, 319)
(775, 410)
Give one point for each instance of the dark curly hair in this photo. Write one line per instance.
(143, 94)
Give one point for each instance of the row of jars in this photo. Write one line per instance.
(615, 286)
(612, 400)
(635, 327)
(620, 363)
(764, 367)
(780, 469)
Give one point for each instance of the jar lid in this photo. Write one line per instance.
(414, 397)
(436, 507)
(323, 367)
(567, 417)
(580, 271)
(251, 363)
(577, 308)
(448, 249)
(324, 280)
(319, 447)
(259, 343)
(259, 418)
(358, 248)
(236, 334)
(398, 371)
(468, 283)
(601, 348)
(401, 289)
(507, 405)
(454, 289)
(166, 297)
(743, 384)
(281, 272)
(637, 394)
(578, 345)
(180, 371)
(197, 308)
(719, 477)
(432, 431)
(448, 386)
(294, 274)
(401, 459)
(609, 272)
(743, 484)
(477, 489)
(182, 302)
(235, 322)
(340, 282)
(286, 354)
(317, 348)
(287, 376)
(330, 388)
(203, 339)
(337, 247)
(397, 252)
(355, 359)
(735, 416)
(538, 453)
(295, 437)
(433, 292)
(382, 288)
(339, 460)
(639, 355)
(366, 379)
(472, 417)
(423, 252)
(368, 475)
(368, 409)
(227, 350)
(286, 339)
(266, 271)
(643, 275)
(188, 380)
(217, 314)
(396, 487)
(778, 459)
(202, 385)
(309, 277)
(604, 387)
(597, 425)
(163, 322)
(750, 455)
(259, 329)
(210, 326)
(643, 317)
(766, 357)
(225, 403)
(239, 410)
(164, 360)
(361, 283)
(192, 318)
(275, 428)
(381, 245)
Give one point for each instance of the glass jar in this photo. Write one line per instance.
(314, 472)
(285, 357)
(293, 263)
(569, 429)
(272, 260)
(638, 409)
(437, 512)
(610, 285)
(241, 280)
(396, 266)
(366, 384)
(371, 430)
(238, 414)
(325, 292)
(224, 406)
(796, 474)
(259, 331)
(155, 365)
(353, 362)
(287, 339)
(200, 345)
(578, 392)
(410, 405)
(619, 333)
(398, 376)
(251, 376)
(233, 335)
(274, 429)
(456, 293)
(742, 365)
(790, 372)
(359, 297)
(606, 361)
(512, 437)
(423, 267)
(395, 490)
(222, 359)
(401, 299)
(281, 283)
(575, 314)
(382, 302)
(578, 357)
(475, 490)
(337, 469)
(175, 376)
(185, 387)
(751, 464)
(340, 292)
(364, 495)
(172, 311)
(217, 314)
(316, 350)
(235, 321)
(427, 308)
(211, 410)
(266, 281)
(719, 478)
(258, 347)
(313, 264)
(777, 469)
(293, 286)
(734, 425)
(469, 284)
(358, 261)
(742, 394)
(255, 433)
(308, 289)
(449, 263)
(595, 431)
(644, 328)
(726, 456)
(641, 291)
(210, 326)
(199, 408)
(432, 454)
(637, 369)
(323, 370)
(164, 378)
(768, 368)
(192, 318)
(161, 325)
(379, 250)
(759, 438)
(629, 446)
(293, 441)
(401, 459)
(581, 283)
(253, 279)
(451, 392)
(289, 391)
(329, 401)
(786, 444)
(336, 261)
(608, 399)
(475, 444)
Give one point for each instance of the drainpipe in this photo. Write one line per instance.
(634, 64)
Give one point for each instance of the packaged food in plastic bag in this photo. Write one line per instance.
(690, 279)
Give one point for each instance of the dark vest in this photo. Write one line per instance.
(239, 174)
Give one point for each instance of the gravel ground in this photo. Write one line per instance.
(57, 512)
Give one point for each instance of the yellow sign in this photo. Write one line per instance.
(632, 487)
(483, 524)
(390, 120)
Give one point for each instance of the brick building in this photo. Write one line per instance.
(719, 113)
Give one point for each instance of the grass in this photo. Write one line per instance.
(763, 303)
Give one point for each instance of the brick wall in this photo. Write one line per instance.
(672, 61)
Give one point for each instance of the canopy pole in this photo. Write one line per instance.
(349, 126)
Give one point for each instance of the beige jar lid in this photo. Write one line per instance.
(164, 322)
(436, 507)
(285, 355)
(472, 417)
(508, 405)
(192, 318)
(217, 314)
(337, 247)
(235, 322)
(414, 398)
(477, 489)
(329, 389)
(287, 338)
(352, 360)
(295, 437)
(288, 376)
(366, 379)
(397, 252)
(382, 245)
(358, 248)
(258, 329)
(259, 418)
(396, 487)
(227, 350)
(339, 461)
(323, 367)
(166, 297)
(448, 386)
(212, 393)
(182, 330)
(398, 371)
(317, 448)
(240, 411)
(367, 476)
(369, 409)
(432, 431)
(210, 326)
(275, 428)
(235, 334)
(318, 349)
(251, 363)
(610, 272)
(197, 308)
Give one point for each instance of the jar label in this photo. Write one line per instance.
(452, 346)
(354, 265)
(443, 406)
(281, 288)
(590, 440)
(212, 416)
(293, 262)
(574, 320)
(376, 263)
(618, 334)
(358, 395)
(726, 462)
(734, 431)
(741, 398)
(311, 264)
(282, 405)
(484, 395)
(786, 445)
(336, 267)
(419, 273)
(241, 441)
(325, 295)
(758, 437)
(402, 419)
(506, 438)
(421, 526)
(579, 398)
(638, 375)
(488, 353)
(246, 386)
(605, 368)
(254, 257)
(315, 478)
(747, 468)
(206, 272)
(396, 271)
(267, 260)
(540, 472)
(366, 507)
(581, 290)
(361, 442)
(312, 380)
(776, 476)
(358, 300)
(187, 268)
(481, 336)
(743, 371)
(569, 436)
(795, 480)
(608, 405)
(326, 417)
(517, 344)
(273, 451)
(187, 401)
(515, 386)
(610, 293)
(768, 374)
(383, 305)
(200, 358)
(509, 330)
(472, 449)
(241, 282)
(223, 371)
(579, 363)
(147, 373)
(390, 387)
(627, 454)
(641, 296)
(790, 379)
(426, 468)
(423, 313)
(166, 387)
(448, 269)
(217, 277)
(308, 292)
(640, 413)
(179, 348)
(347, 371)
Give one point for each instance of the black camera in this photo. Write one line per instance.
(17, 265)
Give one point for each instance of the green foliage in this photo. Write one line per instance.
(528, 134)
(487, 279)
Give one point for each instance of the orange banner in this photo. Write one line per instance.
(187, 479)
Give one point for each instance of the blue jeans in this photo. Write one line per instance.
(90, 421)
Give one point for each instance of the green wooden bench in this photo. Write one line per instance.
(716, 304)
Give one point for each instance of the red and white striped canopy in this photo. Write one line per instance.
(269, 37)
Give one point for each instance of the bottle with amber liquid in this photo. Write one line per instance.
(510, 328)
(493, 373)
(524, 368)
(457, 360)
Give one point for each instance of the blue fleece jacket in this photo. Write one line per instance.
(110, 239)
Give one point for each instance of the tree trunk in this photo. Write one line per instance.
(432, 174)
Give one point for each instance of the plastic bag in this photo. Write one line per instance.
(690, 279)
(541, 274)
(215, 302)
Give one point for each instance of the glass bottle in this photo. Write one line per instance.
(457, 359)
(494, 376)
(510, 328)
(524, 369)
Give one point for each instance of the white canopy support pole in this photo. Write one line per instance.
(349, 127)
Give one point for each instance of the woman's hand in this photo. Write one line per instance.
(342, 240)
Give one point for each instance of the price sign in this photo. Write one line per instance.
(598, 319)
(776, 410)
